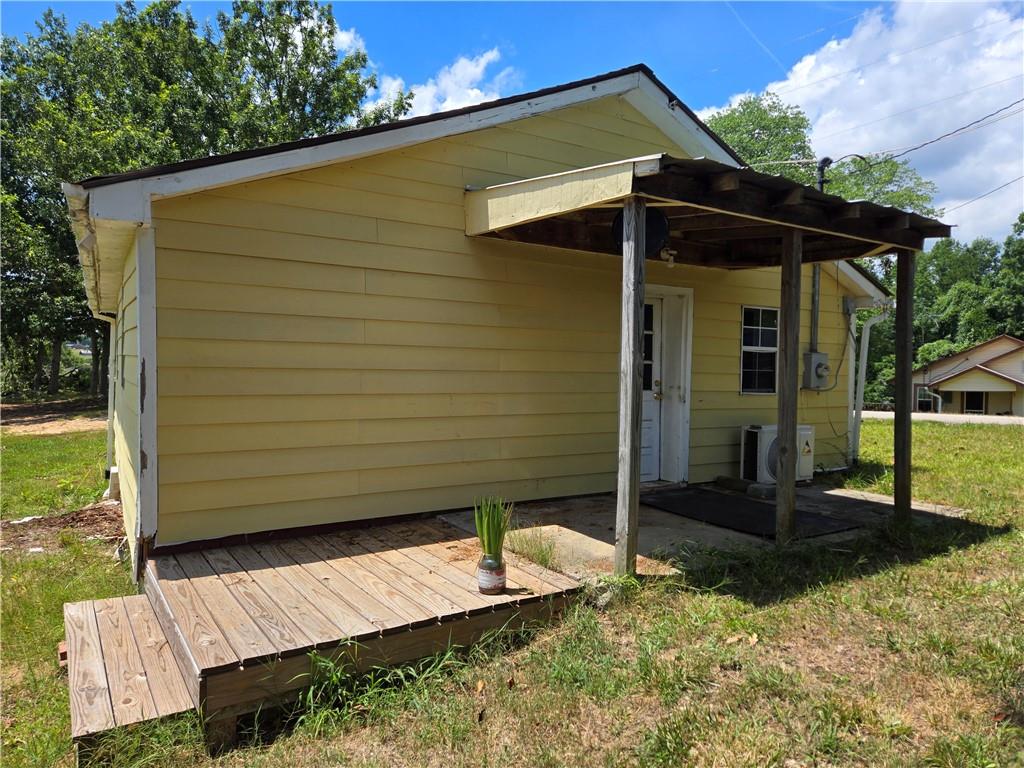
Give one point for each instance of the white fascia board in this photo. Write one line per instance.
(865, 286)
(129, 200)
(655, 105)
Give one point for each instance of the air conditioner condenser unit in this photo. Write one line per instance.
(759, 452)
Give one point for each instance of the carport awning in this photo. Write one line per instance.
(718, 215)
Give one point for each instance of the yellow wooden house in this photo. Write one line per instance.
(387, 321)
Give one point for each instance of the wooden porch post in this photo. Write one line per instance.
(788, 385)
(904, 378)
(627, 499)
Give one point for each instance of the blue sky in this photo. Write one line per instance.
(699, 49)
(870, 76)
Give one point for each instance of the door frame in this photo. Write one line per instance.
(677, 336)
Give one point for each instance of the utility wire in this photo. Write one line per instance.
(921, 106)
(979, 197)
(888, 56)
(947, 135)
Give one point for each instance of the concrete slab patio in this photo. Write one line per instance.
(582, 530)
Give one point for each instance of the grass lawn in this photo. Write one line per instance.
(52, 474)
(882, 652)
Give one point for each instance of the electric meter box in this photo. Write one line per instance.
(816, 370)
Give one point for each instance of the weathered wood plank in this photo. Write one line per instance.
(788, 384)
(241, 633)
(902, 440)
(459, 578)
(170, 694)
(278, 627)
(91, 709)
(174, 632)
(206, 642)
(315, 624)
(463, 552)
(401, 582)
(350, 622)
(395, 553)
(330, 568)
(246, 689)
(130, 696)
(627, 499)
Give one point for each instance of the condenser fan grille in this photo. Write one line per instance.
(771, 459)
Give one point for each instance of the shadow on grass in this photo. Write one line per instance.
(765, 576)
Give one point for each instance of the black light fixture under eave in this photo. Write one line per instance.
(655, 232)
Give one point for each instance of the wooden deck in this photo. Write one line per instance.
(239, 622)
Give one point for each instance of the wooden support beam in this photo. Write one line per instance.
(627, 500)
(725, 182)
(904, 378)
(793, 196)
(788, 385)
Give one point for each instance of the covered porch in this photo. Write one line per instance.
(704, 213)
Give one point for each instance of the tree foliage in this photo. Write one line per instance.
(150, 86)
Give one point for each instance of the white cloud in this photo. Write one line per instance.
(859, 93)
(459, 84)
(349, 41)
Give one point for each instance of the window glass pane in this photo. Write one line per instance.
(769, 318)
(769, 338)
(765, 381)
(750, 337)
(648, 317)
(749, 381)
(648, 376)
(648, 346)
(751, 316)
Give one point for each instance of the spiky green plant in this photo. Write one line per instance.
(493, 515)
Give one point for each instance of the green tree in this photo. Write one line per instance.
(774, 137)
(1005, 301)
(146, 88)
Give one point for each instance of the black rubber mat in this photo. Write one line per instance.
(739, 513)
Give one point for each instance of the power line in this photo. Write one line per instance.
(757, 40)
(888, 56)
(979, 197)
(949, 134)
(920, 106)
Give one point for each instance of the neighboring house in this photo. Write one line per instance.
(987, 378)
(305, 334)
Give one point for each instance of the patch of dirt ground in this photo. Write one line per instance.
(42, 534)
(53, 418)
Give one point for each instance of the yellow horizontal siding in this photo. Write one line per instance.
(125, 415)
(332, 346)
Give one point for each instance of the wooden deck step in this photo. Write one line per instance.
(120, 666)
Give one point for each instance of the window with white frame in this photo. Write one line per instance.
(760, 350)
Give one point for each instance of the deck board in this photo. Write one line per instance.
(91, 710)
(166, 685)
(242, 633)
(315, 625)
(277, 626)
(368, 581)
(209, 649)
(120, 669)
(130, 695)
(341, 612)
(373, 610)
(416, 590)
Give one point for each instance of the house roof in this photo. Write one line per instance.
(969, 350)
(106, 211)
(158, 170)
(981, 368)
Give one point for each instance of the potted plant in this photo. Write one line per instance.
(493, 515)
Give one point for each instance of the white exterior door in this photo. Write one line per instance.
(650, 432)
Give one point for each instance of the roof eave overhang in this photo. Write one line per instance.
(744, 205)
